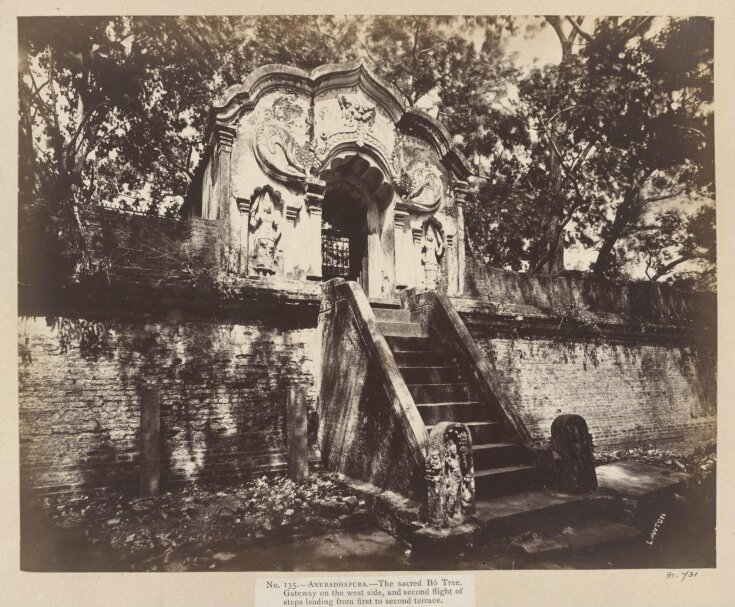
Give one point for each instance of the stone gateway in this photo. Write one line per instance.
(330, 173)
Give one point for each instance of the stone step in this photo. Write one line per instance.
(422, 358)
(503, 481)
(430, 375)
(406, 329)
(439, 393)
(486, 431)
(497, 455)
(458, 411)
(482, 432)
(392, 314)
(400, 343)
(377, 303)
(575, 538)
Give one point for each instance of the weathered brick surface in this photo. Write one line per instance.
(223, 391)
(629, 393)
(583, 295)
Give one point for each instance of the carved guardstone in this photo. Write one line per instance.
(449, 475)
(572, 450)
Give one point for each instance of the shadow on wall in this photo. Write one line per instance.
(223, 392)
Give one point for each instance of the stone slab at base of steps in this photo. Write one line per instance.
(498, 520)
(574, 538)
(637, 480)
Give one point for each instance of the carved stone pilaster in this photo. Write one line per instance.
(313, 200)
(244, 205)
(459, 191)
(292, 213)
(402, 248)
(399, 218)
(223, 137)
(417, 237)
(452, 263)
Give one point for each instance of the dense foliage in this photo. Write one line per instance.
(609, 149)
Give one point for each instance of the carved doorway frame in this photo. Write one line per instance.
(355, 177)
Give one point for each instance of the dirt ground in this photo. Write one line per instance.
(181, 528)
(274, 524)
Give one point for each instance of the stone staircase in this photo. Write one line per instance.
(441, 393)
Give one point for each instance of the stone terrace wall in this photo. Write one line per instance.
(223, 393)
(630, 394)
(638, 361)
(127, 248)
(581, 294)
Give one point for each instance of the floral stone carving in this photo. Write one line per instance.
(421, 186)
(356, 113)
(276, 149)
(352, 120)
(449, 474)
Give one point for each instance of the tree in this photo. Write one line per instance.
(584, 132)
(119, 105)
(675, 238)
(660, 128)
(580, 152)
(77, 77)
(402, 50)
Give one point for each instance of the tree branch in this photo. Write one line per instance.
(576, 25)
(428, 50)
(574, 32)
(555, 22)
(644, 21)
(37, 93)
(663, 196)
(664, 270)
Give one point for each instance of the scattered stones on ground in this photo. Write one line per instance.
(169, 532)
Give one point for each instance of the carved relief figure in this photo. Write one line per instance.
(453, 479)
(351, 119)
(265, 226)
(355, 112)
(432, 251)
(434, 475)
(449, 476)
(464, 453)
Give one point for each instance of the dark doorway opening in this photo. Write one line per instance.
(344, 240)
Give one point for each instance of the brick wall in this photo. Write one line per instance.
(630, 393)
(637, 360)
(223, 392)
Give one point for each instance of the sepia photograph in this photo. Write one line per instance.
(366, 293)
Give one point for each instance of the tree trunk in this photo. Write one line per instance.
(550, 257)
(553, 249)
(623, 217)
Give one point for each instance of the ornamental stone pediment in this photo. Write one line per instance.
(298, 122)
